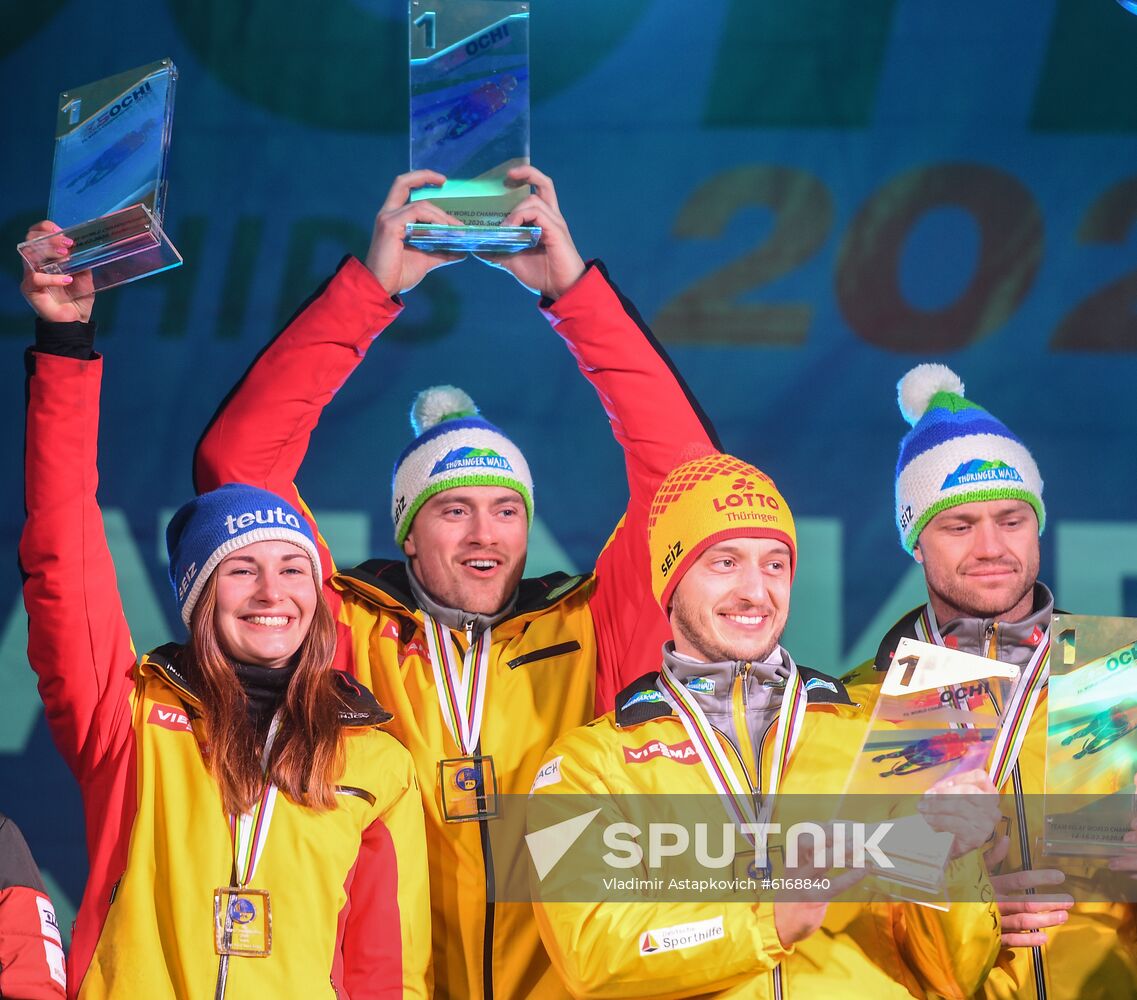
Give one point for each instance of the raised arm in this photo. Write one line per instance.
(654, 416)
(260, 433)
(78, 641)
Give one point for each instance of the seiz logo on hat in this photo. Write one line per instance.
(905, 516)
(471, 458)
(980, 470)
(187, 579)
(673, 553)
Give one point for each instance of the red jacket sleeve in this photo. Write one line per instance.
(78, 641)
(658, 423)
(31, 949)
(293, 379)
(385, 927)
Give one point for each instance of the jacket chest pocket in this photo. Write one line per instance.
(544, 653)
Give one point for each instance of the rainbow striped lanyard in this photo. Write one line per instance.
(1020, 706)
(249, 831)
(736, 795)
(461, 687)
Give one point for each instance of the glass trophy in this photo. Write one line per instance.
(938, 714)
(1091, 736)
(108, 182)
(470, 119)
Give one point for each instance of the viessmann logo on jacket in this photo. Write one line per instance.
(684, 753)
(169, 717)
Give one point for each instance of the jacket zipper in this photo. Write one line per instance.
(991, 652)
(487, 866)
(742, 670)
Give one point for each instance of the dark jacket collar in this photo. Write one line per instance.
(388, 579)
(358, 705)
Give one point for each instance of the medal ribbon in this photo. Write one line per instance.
(461, 688)
(1020, 706)
(714, 759)
(250, 830)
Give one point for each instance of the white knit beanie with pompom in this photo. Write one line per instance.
(955, 453)
(454, 446)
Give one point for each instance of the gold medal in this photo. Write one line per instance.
(242, 922)
(468, 788)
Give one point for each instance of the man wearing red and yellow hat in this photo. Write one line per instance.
(730, 714)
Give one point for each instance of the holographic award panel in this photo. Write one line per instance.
(469, 119)
(108, 184)
(1091, 737)
(938, 715)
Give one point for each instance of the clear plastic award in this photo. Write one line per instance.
(108, 183)
(469, 119)
(1091, 736)
(938, 714)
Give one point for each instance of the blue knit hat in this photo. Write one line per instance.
(455, 446)
(956, 453)
(209, 527)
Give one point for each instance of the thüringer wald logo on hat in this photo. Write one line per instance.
(979, 470)
(471, 458)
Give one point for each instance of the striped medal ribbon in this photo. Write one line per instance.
(249, 831)
(714, 759)
(1020, 706)
(461, 687)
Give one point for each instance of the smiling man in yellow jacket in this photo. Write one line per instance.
(731, 714)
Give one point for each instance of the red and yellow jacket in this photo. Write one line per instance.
(561, 652)
(347, 886)
(1093, 954)
(31, 948)
(878, 950)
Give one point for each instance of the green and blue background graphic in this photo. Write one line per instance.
(803, 197)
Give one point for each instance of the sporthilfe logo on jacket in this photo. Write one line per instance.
(682, 936)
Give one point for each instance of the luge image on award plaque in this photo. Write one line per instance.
(469, 118)
(938, 714)
(1091, 738)
(108, 184)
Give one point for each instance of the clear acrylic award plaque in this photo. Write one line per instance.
(1091, 736)
(108, 182)
(470, 119)
(938, 714)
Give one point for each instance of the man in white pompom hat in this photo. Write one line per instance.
(969, 509)
(482, 669)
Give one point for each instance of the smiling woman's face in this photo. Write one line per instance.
(266, 597)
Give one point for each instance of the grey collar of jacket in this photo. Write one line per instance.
(456, 618)
(1015, 641)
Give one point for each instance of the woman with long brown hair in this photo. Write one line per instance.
(250, 829)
